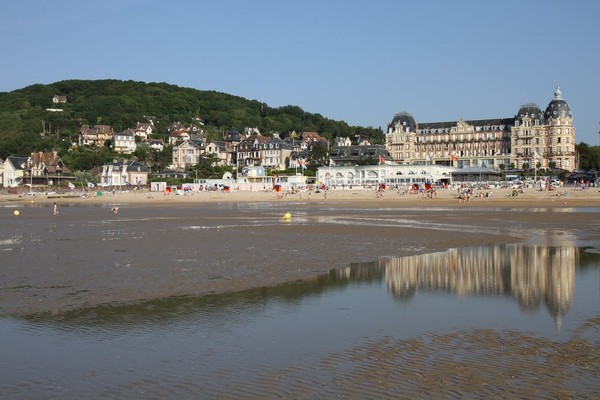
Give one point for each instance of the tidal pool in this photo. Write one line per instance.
(512, 320)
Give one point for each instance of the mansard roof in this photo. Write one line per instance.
(531, 110)
(405, 119)
(506, 123)
(558, 107)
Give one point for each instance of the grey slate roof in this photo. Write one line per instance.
(18, 162)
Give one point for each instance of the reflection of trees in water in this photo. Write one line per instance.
(532, 274)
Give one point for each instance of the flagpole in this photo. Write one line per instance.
(378, 173)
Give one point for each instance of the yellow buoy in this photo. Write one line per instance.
(16, 213)
(287, 215)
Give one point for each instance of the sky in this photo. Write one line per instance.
(360, 61)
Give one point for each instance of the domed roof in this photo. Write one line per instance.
(531, 110)
(405, 119)
(558, 107)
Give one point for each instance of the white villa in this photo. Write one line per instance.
(124, 173)
(124, 142)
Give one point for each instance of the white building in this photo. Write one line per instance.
(143, 130)
(13, 171)
(155, 144)
(124, 142)
(392, 175)
(124, 173)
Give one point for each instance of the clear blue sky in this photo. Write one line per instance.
(360, 61)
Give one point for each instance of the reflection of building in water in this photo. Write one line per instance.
(533, 274)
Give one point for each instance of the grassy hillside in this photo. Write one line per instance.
(121, 104)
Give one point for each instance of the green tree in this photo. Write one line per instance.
(207, 167)
(142, 152)
(589, 156)
(86, 159)
(161, 159)
(318, 155)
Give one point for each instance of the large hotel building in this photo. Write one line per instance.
(532, 138)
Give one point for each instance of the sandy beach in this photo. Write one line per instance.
(571, 196)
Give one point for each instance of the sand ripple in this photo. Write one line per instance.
(477, 364)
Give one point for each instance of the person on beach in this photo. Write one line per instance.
(55, 209)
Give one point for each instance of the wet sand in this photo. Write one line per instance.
(212, 242)
(158, 246)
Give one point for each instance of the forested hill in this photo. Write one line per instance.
(121, 104)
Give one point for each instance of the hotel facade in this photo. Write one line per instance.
(531, 139)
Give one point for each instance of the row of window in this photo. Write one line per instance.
(460, 138)
(552, 132)
(260, 146)
(484, 128)
(537, 141)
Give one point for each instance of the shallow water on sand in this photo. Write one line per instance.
(478, 321)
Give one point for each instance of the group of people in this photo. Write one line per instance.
(464, 195)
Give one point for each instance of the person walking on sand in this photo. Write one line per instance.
(55, 209)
